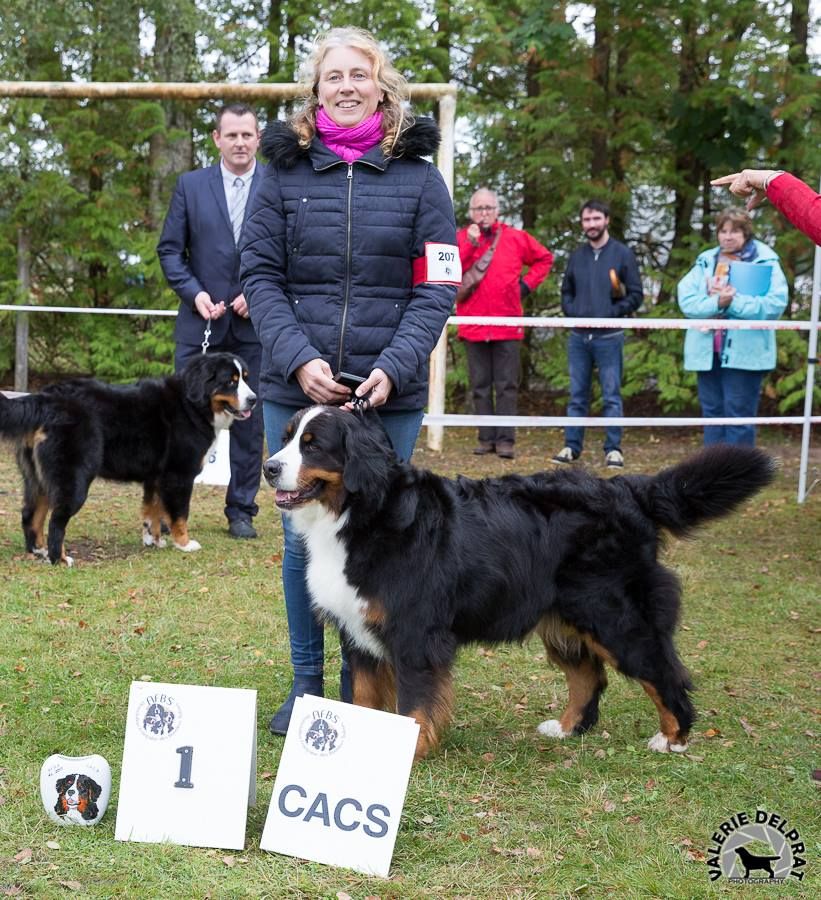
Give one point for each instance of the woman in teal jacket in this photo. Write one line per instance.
(730, 362)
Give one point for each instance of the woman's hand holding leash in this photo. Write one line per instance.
(373, 392)
(316, 380)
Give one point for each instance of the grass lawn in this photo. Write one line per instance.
(498, 811)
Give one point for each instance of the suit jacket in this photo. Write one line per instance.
(197, 253)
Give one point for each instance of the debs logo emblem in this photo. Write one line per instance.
(159, 716)
(322, 732)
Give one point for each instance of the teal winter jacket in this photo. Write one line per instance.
(742, 349)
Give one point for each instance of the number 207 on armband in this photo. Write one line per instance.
(439, 265)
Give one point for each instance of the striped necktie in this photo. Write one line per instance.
(236, 209)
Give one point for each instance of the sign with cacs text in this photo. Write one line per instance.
(341, 785)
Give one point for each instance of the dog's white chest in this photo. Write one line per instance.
(330, 590)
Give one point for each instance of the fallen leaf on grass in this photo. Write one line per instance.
(11, 890)
(747, 727)
(711, 733)
(633, 820)
(695, 855)
(52, 845)
(517, 851)
(266, 775)
(427, 820)
(24, 856)
(702, 644)
(71, 885)
(229, 861)
(609, 806)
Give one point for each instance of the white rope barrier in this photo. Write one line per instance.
(530, 322)
(639, 324)
(93, 310)
(603, 421)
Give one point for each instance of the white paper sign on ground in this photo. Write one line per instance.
(189, 765)
(341, 785)
(217, 466)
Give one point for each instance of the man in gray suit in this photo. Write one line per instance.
(199, 255)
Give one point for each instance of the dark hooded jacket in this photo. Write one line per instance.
(329, 255)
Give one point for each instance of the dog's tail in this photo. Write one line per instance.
(706, 486)
(20, 415)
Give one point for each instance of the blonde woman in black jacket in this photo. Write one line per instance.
(349, 265)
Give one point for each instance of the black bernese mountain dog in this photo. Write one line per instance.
(410, 565)
(156, 432)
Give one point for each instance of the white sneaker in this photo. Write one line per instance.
(614, 460)
(565, 455)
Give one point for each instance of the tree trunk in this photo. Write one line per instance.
(171, 149)
(599, 108)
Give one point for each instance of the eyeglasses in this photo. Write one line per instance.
(482, 209)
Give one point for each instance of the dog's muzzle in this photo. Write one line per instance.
(271, 469)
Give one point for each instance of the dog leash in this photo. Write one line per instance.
(205, 341)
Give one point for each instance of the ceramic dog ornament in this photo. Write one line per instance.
(75, 789)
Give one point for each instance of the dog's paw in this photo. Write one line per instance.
(40, 553)
(552, 728)
(189, 547)
(660, 744)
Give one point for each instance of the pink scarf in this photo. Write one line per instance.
(349, 143)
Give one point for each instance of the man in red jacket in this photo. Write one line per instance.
(493, 350)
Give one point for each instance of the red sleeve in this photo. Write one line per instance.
(799, 203)
(468, 252)
(539, 258)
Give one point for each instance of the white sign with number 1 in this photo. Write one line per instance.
(189, 765)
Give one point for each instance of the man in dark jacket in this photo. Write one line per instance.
(199, 256)
(601, 281)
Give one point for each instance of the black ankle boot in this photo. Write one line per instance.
(303, 684)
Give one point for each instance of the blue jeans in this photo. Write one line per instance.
(305, 633)
(729, 392)
(604, 351)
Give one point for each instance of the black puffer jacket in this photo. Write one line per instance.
(328, 256)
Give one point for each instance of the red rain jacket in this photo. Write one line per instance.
(499, 293)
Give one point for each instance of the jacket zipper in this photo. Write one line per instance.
(348, 256)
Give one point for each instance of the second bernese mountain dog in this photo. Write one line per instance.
(155, 432)
(410, 566)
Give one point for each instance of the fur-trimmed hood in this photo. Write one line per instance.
(280, 144)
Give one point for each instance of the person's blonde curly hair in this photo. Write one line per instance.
(395, 116)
